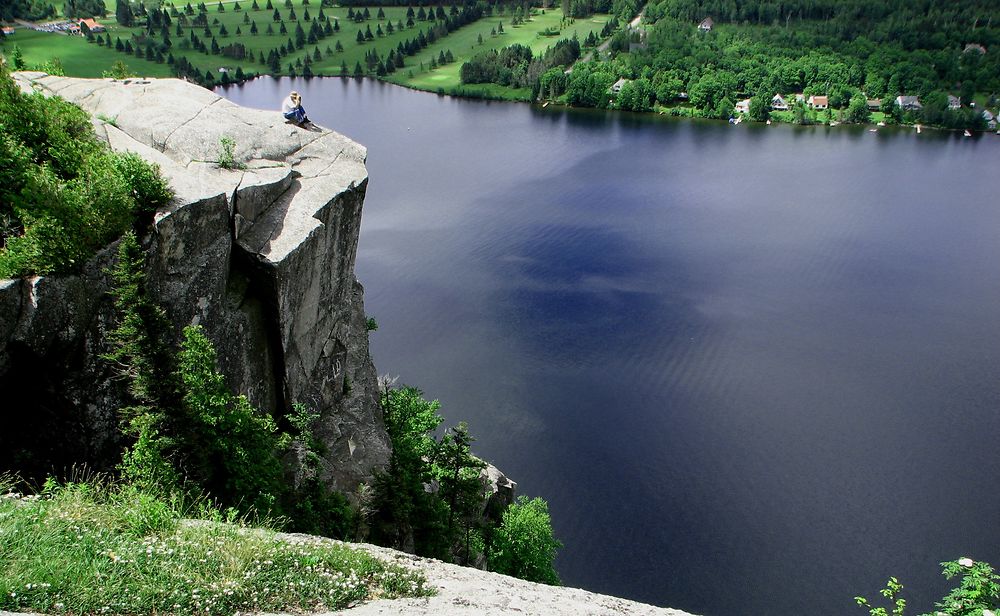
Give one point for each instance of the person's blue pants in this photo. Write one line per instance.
(296, 115)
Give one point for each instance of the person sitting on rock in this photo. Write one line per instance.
(293, 111)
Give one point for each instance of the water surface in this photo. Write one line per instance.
(754, 370)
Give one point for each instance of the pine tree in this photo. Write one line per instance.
(300, 36)
(123, 13)
(357, 70)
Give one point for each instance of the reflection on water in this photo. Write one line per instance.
(754, 370)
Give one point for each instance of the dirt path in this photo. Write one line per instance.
(603, 46)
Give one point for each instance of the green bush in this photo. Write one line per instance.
(524, 545)
(63, 193)
(977, 594)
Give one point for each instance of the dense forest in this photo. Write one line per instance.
(845, 49)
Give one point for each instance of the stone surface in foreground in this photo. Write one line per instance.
(464, 591)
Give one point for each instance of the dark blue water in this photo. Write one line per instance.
(753, 370)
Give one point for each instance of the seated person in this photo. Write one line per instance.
(292, 109)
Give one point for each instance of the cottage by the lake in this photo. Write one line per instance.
(908, 103)
(819, 102)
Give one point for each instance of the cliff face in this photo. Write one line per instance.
(262, 258)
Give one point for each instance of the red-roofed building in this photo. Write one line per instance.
(8, 31)
(819, 102)
(92, 25)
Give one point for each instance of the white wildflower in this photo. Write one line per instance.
(965, 562)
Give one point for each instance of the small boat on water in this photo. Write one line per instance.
(834, 123)
(545, 104)
(872, 130)
(967, 133)
(880, 124)
(918, 129)
(768, 122)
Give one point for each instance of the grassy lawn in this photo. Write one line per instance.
(84, 59)
(78, 58)
(99, 549)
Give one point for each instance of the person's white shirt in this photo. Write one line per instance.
(288, 105)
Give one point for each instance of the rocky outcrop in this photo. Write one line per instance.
(261, 256)
(464, 591)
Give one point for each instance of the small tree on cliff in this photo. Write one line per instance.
(458, 474)
(142, 357)
(404, 511)
(524, 546)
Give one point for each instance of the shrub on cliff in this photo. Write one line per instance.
(430, 500)
(524, 545)
(63, 193)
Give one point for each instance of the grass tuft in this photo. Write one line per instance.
(103, 549)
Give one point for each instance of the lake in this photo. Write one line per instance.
(753, 370)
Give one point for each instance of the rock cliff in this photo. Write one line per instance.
(261, 256)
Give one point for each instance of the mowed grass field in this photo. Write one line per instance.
(78, 58)
(84, 59)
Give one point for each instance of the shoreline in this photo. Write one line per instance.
(660, 112)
